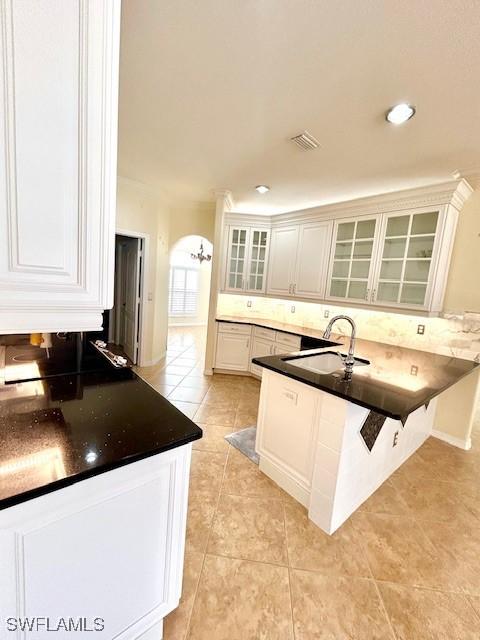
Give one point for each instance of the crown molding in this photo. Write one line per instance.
(453, 193)
(226, 194)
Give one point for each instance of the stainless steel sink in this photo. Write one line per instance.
(327, 362)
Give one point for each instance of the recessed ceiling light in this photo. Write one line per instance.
(262, 188)
(400, 113)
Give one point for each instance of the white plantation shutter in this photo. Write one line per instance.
(183, 293)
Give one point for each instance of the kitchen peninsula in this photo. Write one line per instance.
(94, 471)
(331, 442)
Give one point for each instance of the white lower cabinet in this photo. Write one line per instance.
(286, 432)
(233, 351)
(260, 348)
(109, 547)
(310, 443)
(238, 344)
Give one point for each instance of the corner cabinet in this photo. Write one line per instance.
(58, 167)
(247, 256)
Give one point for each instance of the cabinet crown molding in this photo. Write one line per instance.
(453, 192)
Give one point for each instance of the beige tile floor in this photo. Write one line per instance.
(406, 566)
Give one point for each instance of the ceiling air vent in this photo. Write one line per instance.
(305, 141)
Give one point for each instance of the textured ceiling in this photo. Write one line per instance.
(211, 90)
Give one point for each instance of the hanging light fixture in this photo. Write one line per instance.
(200, 256)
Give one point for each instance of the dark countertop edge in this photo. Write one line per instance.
(12, 501)
(258, 323)
(395, 416)
(303, 332)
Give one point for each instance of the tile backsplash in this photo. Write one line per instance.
(457, 335)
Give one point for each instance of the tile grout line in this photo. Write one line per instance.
(382, 603)
(187, 630)
(384, 609)
(288, 569)
(477, 613)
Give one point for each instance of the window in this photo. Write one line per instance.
(183, 292)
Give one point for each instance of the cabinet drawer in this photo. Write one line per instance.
(288, 339)
(265, 334)
(231, 327)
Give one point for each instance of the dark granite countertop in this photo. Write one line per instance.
(397, 381)
(63, 429)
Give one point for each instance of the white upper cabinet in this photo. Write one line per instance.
(247, 257)
(408, 254)
(352, 259)
(390, 251)
(312, 260)
(283, 256)
(59, 95)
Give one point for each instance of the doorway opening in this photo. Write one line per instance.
(189, 293)
(123, 322)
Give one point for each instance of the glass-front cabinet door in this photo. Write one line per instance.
(405, 261)
(352, 260)
(257, 260)
(236, 259)
(247, 259)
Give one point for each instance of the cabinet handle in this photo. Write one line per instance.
(248, 343)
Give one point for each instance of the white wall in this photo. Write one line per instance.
(141, 210)
(180, 254)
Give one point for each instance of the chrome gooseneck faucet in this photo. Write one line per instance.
(349, 360)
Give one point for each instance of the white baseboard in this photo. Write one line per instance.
(456, 442)
(151, 363)
(188, 324)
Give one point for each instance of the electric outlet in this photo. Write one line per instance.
(395, 439)
(326, 313)
(413, 370)
(420, 329)
(292, 309)
(249, 303)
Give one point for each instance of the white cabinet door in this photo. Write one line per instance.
(283, 255)
(247, 256)
(258, 246)
(312, 259)
(409, 250)
(286, 430)
(237, 256)
(352, 259)
(260, 348)
(58, 97)
(233, 351)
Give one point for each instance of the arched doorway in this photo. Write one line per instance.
(189, 292)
